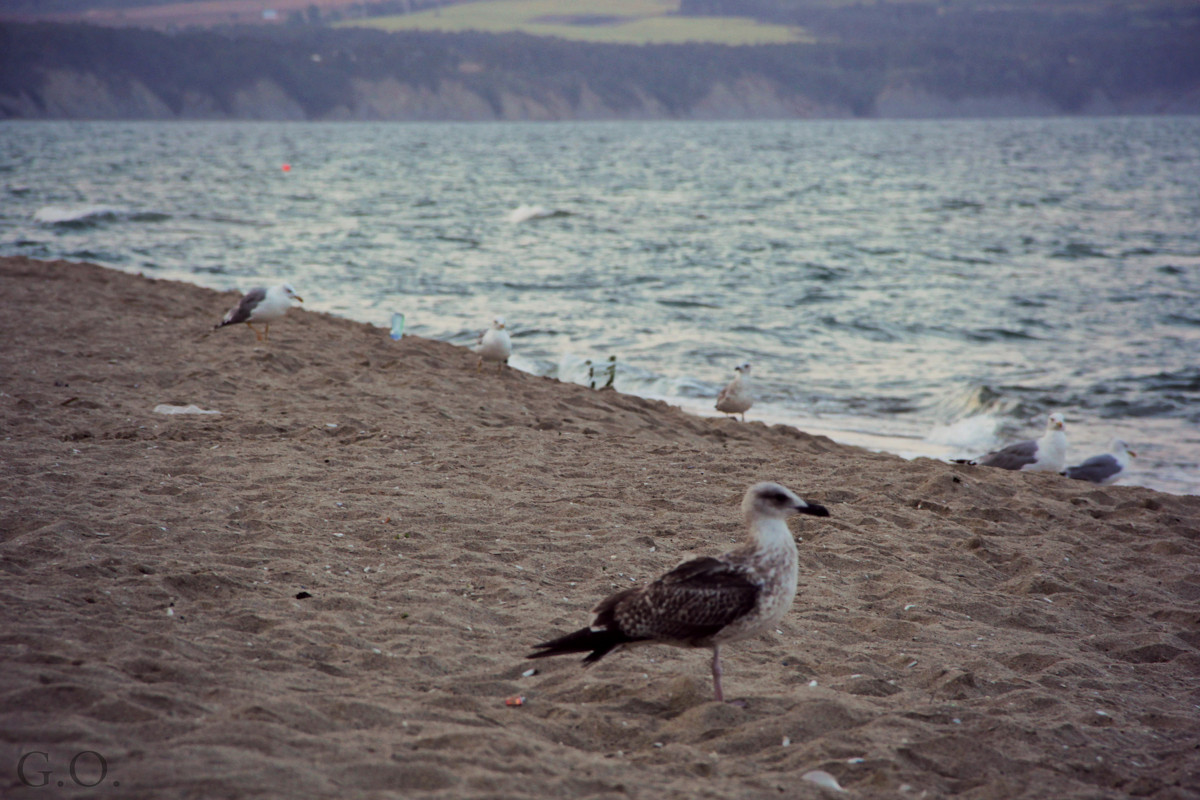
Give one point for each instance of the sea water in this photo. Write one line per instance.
(930, 288)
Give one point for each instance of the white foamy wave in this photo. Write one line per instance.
(525, 213)
(74, 215)
(594, 372)
(971, 434)
(79, 216)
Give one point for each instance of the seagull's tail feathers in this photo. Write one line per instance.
(596, 643)
(599, 639)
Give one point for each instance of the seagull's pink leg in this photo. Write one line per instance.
(716, 670)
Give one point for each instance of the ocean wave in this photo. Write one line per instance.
(998, 335)
(974, 434)
(1120, 409)
(228, 220)
(870, 330)
(90, 216)
(960, 204)
(1184, 380)
(1075, 250)
(527, 213)
(1182, 319)
(975, 401)
(687, 304)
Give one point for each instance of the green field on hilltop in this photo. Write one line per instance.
(606, 21)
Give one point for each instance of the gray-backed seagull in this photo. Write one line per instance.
(261, 304)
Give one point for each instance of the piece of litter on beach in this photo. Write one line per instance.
(170, 612)
(787, 741)
(822, 778)
(529, 673)
(397, 326)
(164, 408)
(812, 684)
(515, 700)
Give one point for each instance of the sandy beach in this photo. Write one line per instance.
(328, 588)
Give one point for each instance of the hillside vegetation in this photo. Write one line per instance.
(608, 21)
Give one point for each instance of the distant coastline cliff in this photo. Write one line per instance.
(52, 71)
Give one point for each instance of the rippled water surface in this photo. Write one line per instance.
(929, 288)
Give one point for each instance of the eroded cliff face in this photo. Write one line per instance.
(904, 101)
(66, 94)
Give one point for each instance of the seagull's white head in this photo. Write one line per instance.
(498, 323)
(773, 501)
(1056, 422)
(1119, 448)
(290, 291)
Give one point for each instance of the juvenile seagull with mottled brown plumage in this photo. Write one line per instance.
(705, 602)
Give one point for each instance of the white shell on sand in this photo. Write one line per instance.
(822, 778)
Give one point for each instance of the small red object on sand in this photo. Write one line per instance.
(515, 700)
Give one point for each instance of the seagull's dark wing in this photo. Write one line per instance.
(1096, 469)
(245, 307)
(691, 602)
(1014, 456)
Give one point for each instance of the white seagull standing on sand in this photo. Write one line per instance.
(1103, 469)
(705, 602)
(735, 398)
(1047, 454)
(494, 344)
(261, 304)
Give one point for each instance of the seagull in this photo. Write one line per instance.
(735, 397)
(1103, 469)
(494, 344)
(1047, 454)
(261, 304)
(705, 602)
